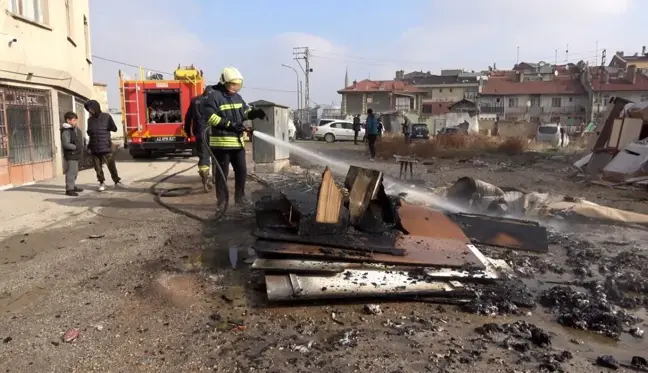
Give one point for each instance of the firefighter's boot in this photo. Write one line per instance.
(206, 180)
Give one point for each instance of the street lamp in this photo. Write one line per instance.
(298, 97)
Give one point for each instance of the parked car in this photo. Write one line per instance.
(336, 131)
(451, 131)
(552, 133)
(420, 131)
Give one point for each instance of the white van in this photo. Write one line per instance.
(552, 133)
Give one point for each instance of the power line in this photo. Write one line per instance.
(386, 61)
(168, 73)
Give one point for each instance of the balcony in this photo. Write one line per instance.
(487, 109)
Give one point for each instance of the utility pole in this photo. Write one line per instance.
(602, 74)
(303, 53)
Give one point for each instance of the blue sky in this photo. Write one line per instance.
(369, 38)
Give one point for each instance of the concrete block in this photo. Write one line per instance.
(271, 167)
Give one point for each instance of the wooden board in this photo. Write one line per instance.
(329, 200)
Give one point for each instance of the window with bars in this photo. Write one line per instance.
(28, 124)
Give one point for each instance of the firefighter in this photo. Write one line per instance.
(193, 127)
(225, 111)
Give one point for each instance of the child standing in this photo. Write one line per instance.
(72, 143)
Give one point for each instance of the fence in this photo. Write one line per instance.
(26, 125)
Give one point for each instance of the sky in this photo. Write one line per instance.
(371, 39)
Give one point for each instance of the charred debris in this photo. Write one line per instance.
(355, 241)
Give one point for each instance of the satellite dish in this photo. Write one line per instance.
(555, 72)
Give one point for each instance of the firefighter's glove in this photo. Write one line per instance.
(239, 127)
(257, 114)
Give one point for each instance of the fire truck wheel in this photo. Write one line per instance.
(140, 154)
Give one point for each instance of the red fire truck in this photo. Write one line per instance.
(153, 111)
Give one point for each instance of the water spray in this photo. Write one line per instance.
(339, 167)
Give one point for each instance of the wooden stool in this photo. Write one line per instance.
(406, 162)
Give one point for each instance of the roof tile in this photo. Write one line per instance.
(380, 86)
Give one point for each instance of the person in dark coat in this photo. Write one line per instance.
(356, 128)
(100, 125)
(72, 142)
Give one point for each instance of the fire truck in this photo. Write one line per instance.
(153, 111)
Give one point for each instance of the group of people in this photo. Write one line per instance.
(99, 147)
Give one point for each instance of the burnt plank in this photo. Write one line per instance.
(329, 200)
(421, 252)
(302, 214)
(353, 240)
(504, 232)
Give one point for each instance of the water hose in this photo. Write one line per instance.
(183, 191)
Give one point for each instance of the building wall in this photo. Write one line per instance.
(49, 60)
(358, 103)
(354, 103)
(542, 109)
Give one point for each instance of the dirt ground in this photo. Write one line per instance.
(149, 290)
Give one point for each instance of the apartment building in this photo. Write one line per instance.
(604, 83)
(45, 70)
(381, 96)
(537, 94)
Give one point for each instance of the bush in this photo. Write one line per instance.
(390, 145)
(513, 146)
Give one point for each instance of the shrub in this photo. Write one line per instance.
(513, 146)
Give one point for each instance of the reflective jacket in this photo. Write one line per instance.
(194, 125)
(223, 111)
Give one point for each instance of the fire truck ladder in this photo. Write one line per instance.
(123, 88)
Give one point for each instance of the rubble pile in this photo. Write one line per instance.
(529, 341)
(354, 240)
(585, 311)
(619, 147)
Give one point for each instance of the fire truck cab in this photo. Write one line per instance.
(153, 111)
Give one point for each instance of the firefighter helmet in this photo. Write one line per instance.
(231, 75)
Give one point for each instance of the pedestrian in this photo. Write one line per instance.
(100, 125)
(407, 129)
(381, 128)
(194, 128)
(372, 133)
(225, 111)
(356, 128)
(72, 142)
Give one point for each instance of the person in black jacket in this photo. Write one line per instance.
(72, 142)
(100, 125)
(356, 128)
(193, 127)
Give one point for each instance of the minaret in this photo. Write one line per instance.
(346, 84)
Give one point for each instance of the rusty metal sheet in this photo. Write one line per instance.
(420, 251)
(378, 243)
(504, 232)
(421, 221)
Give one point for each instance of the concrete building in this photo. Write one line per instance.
(640, 60)
(45, 70)
(381, 96)
(542, 95)
(602, 84)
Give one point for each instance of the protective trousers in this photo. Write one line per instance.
(225, 157)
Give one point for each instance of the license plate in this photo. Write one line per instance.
(165, 138)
